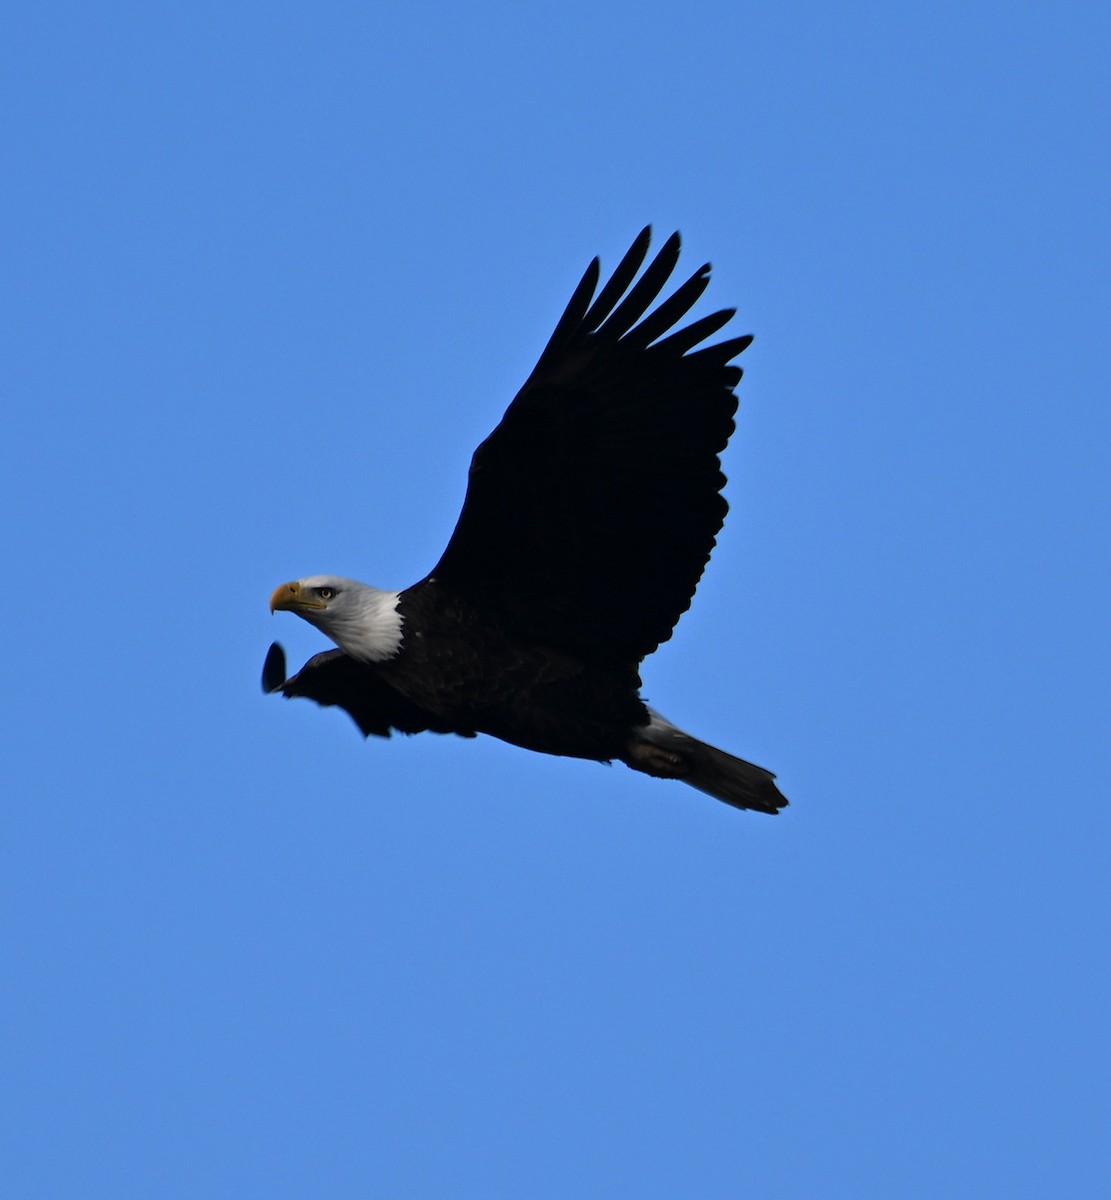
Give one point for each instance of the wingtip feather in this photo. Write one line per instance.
(273, 670)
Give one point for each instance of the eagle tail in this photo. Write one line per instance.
(661, 749)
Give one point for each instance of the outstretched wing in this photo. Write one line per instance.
(592, 508)
(334, 678)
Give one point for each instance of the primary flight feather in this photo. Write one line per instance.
(590, 514)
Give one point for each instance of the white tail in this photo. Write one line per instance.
(661, 749)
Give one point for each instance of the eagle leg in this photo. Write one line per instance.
(655, 760)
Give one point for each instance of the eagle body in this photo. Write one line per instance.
(591, 511)
(484, 679)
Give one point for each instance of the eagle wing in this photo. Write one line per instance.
(592, 508)
(334, 678)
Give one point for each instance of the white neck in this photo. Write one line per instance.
(366, 624)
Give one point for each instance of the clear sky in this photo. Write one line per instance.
(270, 272)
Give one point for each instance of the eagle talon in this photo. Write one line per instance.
(655, 761)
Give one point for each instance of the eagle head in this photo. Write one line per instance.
(360, 619)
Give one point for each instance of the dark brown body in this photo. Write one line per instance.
(479, 678)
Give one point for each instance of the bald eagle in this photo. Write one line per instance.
(590, 513)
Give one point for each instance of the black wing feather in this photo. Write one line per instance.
(618, 282)
(592, 508)
(673, 309)
(646, 289)
(334, 678)
(697, 331)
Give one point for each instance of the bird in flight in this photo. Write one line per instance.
(590, 514)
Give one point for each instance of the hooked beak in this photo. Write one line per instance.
(288, 598)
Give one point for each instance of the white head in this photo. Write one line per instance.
(360, 619)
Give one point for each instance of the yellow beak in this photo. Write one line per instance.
(288, 598)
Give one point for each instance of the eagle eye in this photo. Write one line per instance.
(326, 593)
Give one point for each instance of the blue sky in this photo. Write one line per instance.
(270, 274)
